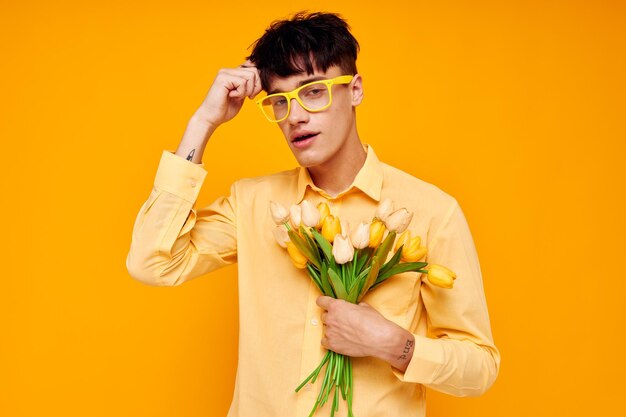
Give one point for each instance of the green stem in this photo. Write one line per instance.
(315, 373)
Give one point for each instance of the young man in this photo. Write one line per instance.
(407, 334)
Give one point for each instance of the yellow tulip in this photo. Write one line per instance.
(279, 213)
(377, 230)
(298, 259)
(411, 251)
(310, 214)
(331, 227)
(343, 251)
(414, 255)
(402, 239)
(324, 211)
(441, 276)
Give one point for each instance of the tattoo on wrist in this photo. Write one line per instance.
(407, 349)
(190, 156)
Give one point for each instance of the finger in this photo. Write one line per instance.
(248, 64)
(324, 342)
(257, 86)
(324, 301)
(249, 75)
(323, 317)
(237, 86)
(254, 81)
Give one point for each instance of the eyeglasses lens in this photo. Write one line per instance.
(314, 97)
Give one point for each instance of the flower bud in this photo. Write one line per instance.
(399, 220)
(377, 230)
(441, 276)
(324, 211)
(298, 259)
(310, 215)
(279, 213)
(281, 236)
(403, 238)
(411, 249)
(414, 252)
(295, 214)
(361, 236)
(331, 227)
(345, 227)
(384, 208)
(343, 251)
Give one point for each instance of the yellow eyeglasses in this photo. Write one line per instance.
(313, 97)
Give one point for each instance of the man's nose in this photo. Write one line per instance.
(297, 113)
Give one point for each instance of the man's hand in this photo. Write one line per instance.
(359, 330)
(227, 94)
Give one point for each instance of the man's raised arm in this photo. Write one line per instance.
(172, 242)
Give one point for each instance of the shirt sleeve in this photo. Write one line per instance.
(172, 242)
(458, 355)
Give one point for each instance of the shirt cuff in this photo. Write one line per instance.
(428, 357)
(180, 177)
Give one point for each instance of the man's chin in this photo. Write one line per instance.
(305, 161)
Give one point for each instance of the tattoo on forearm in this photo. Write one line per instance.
(407, 349)
(190, 156)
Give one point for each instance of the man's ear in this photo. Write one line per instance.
(356, 88)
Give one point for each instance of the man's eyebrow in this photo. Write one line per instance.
(301, 83)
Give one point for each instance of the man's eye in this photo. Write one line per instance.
(280, 102)
(314, 92)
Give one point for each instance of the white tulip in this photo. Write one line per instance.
(399, 220)
(310, 214)
(343, 251)
(384, 208)
(361, 235)
(281, 236)
(279, 213)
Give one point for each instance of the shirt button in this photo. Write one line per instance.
(314, 322)
(192, 183)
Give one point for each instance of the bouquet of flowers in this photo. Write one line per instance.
(346, 265)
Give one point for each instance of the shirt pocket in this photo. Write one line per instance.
(393, 297)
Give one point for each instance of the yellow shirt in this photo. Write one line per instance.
(280, 327)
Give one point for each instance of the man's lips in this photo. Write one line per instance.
(302, 135)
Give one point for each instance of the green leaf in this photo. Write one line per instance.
(315, 252)
(303, 247)
(398, 269)
(354, 292)
(371, 278)
(325, 282)
(315, 277)
(324, 244)
(392, 262)
(383, 250)
(360, 278)
(335, 281)
(365, 256)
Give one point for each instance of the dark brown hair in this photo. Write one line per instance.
(302, 43)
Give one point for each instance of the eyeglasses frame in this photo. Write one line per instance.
(342, 79)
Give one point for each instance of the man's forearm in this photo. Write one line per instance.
(194, 140)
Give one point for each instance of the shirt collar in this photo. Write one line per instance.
(369, 179)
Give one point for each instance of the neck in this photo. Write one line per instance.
(338, 173)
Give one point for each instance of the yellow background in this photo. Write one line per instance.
(515, 108)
